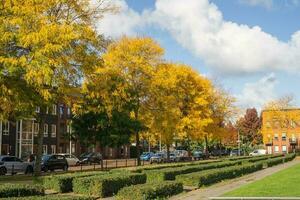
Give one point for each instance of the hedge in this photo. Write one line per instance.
(150, 191)
(171, 173)
(207, 177)
(276, 160)
(106, 185)
(50, 197)
(63, 183)
(20, 190)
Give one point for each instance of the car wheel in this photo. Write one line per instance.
(45, 169)
(3, 171)
(29, 170)
(65, 168)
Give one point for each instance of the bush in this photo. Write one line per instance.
(215, 175)
(63, 183)
(50, 197)
(289, 157)
(171, 173)
(20, 190)
(106, 185)
(150, 191)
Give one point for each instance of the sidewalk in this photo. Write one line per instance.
(226, 186)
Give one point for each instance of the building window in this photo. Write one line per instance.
(36, 128)
(284, 149)
(276, 149)
(276, 136)
(45, 130)
(61, 111)
(283, 136)
(54, 109)
(45, 149)
(53, 130)
(37, 109)
(53, 149)
(5, 127)
(73, 148)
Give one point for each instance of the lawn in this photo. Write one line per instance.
(285, 183)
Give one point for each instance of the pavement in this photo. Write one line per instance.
(232, 184)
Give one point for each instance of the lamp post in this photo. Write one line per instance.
(239, 143)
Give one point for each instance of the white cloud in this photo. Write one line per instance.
(198, 25)
(264, 3)
(258, 93)
(125, 22)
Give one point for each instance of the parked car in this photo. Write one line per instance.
(182, 155)
(53, 162)
(146, 156)
(197, 155)
(173, 157)
(12, 164)
(236, 152)
(258, 152)
(219, 152)
(158, 158)
(71, 159)
(90, 158)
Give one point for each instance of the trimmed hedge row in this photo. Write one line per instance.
(20, 190)
(106, 185)
(279, 160)
(150, 191)
(50, 197)
(207, 177)
(63, 183)
(171, 173)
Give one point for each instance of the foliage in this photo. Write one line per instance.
(208, 177)
(150, 191)
(106, 185)
(20, 190)
(51, 197)
(63, 183)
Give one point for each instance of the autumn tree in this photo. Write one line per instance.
(124, 80)
(249, 127)
(48, 46)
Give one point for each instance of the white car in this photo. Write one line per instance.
(12, 164)
(258, 152)
(71, 159)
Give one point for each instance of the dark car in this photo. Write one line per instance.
(237, 152)
(90, 158)
(53, 162)
(197, 155)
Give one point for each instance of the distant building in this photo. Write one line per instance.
(281, 130)
(19, 137)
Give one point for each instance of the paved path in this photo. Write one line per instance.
(226, 186)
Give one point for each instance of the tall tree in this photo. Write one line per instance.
(49, 45)
(125, 79)
(249, 127)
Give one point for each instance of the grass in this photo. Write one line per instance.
(281, 184)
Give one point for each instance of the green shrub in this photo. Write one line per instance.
(150, 191)
(208, 177)
(106, 185)
(20, 190)
(63, 183)
(50, 197)
(289, 157)
(274, 161)
(171, 173)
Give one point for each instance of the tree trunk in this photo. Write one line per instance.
(168, 153)
(206, 147)
(37, 165)
(137, 140)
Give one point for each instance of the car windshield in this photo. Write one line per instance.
(172, 154)
(45, 157)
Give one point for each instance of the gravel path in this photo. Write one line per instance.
(226, 186)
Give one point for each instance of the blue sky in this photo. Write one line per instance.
(249, 46)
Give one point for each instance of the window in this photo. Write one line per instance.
(45, 130)
(293, 139)
(53, 130)
(54, 109)
(68, 111)
(276, 136)
(53, 149)
(284, 149)
(276, 149)
(283, 136)
(5, 127)
(61, 111)
(45, 149)
(37, 109)
(36, 128)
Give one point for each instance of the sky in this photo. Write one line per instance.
(249, 47)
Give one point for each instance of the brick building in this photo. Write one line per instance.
(281, 130)
(19, 137)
